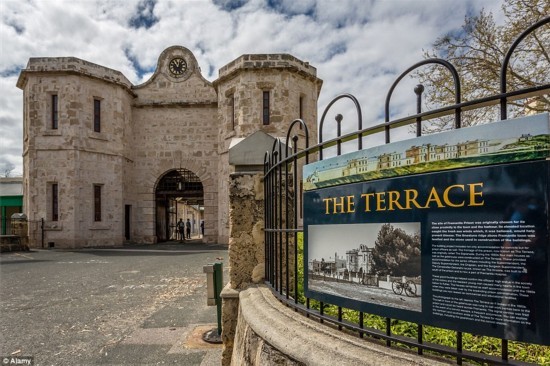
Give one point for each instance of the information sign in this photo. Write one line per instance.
(464, 248)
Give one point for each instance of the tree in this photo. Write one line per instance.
(478, 50)
(396, 253)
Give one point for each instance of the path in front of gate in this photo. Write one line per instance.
(136, 305)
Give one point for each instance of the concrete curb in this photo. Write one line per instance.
(309, 342)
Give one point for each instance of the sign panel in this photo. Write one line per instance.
(464, 249)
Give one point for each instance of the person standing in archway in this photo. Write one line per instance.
(188, 229)
(181, 227)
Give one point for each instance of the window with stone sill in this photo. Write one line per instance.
(232, 110)
(265, 107)
(53, 201)
(97, 115)
(55, 112)
(301, 108)
(97, 202)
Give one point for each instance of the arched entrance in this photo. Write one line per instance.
(179, 194)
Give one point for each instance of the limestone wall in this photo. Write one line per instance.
(167, 139)
(246, 242)
(175, 126)
(294, 88)
(246, 249)
(169, 122)
(240, 87)
(74, 156)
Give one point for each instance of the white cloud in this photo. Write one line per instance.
(357, 46)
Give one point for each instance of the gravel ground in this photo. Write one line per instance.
(130, 306)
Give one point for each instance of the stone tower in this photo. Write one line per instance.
(107, 162)
(263, 92)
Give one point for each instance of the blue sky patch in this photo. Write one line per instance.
(334, 50)
(135, 64)
(145, 16)
(13, 71)
(229, 5)
(297, 8)
(19, 29)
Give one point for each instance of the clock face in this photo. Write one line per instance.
(177, 66)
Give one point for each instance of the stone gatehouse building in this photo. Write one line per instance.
(108, 162)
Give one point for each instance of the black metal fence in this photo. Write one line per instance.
(282, 172)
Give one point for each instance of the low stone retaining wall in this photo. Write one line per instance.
(269, 333)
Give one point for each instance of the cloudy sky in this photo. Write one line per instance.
(357, 46)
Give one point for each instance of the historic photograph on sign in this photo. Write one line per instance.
(375, 263)
(526, 138)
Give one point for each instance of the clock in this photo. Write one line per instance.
(177, 66)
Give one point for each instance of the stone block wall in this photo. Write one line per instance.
(169, 122)
(246, 242)
(246, 248)
(73, 155)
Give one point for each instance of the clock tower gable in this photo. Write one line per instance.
(177, 79)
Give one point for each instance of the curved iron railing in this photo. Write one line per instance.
(283, 201)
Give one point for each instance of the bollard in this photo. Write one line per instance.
(214, 286)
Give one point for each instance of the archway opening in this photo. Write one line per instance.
(179, 195)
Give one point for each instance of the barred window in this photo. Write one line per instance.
(55, 202)
(232, 103)
(55, 112)
(266, 107)
(97, 115)
(97, 202)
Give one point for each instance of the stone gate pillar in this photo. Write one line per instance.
(246, 229)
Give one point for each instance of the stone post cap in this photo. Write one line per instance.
(250, 151)
(19, 216)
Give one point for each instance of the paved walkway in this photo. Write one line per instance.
(136, 305)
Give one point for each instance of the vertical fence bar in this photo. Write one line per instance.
(287, 226)
(339, 119)
(276, 258)
(266, 219)
(419, 338)
(295, 223)
(459, 348)
(272, 225)
(418, 90)
(388, 332)
(504, 350)
(361, 323)
(339, 317)
(280, 217)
